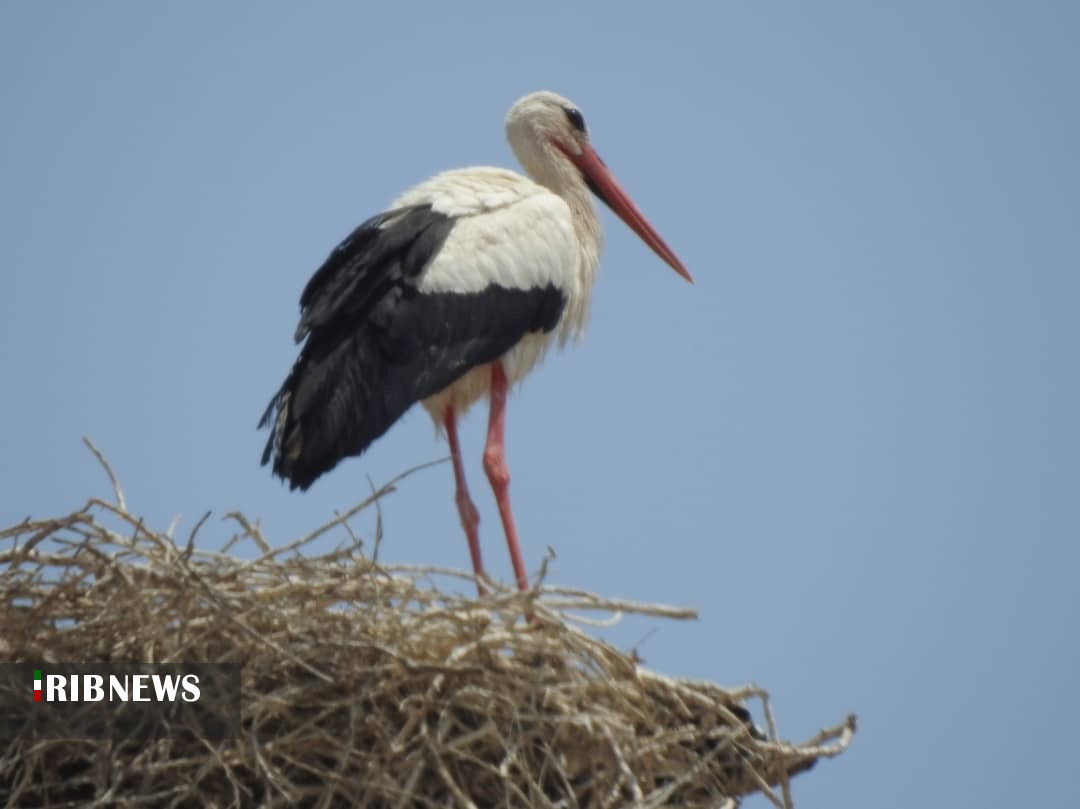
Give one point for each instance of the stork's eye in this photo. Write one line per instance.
(575, 118)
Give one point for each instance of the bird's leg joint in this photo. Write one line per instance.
(498, 473)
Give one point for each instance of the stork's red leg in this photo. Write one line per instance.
(470, 517)
(498, 472)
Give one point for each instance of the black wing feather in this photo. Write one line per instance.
(376, 344)
(369, 260)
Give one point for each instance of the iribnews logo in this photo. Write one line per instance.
(114, 688)
(119, 701)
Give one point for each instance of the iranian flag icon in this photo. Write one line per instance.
(37, 685)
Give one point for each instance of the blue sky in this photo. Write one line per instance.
(853, 445)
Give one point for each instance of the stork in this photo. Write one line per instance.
(455, 292)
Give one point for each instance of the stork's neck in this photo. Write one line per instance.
(586, 221)
(551, 169)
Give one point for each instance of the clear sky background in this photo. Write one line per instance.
(853, 445)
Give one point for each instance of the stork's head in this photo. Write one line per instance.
(540, 122)
(548, 135)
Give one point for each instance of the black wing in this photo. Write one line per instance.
(376, 344)
(383, 251)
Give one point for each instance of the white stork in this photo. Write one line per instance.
(455, 292)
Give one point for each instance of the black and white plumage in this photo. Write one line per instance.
(454, 293)
(379, 340)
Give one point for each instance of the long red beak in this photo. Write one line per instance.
(603, 183)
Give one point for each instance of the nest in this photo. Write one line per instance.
(365, 684)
